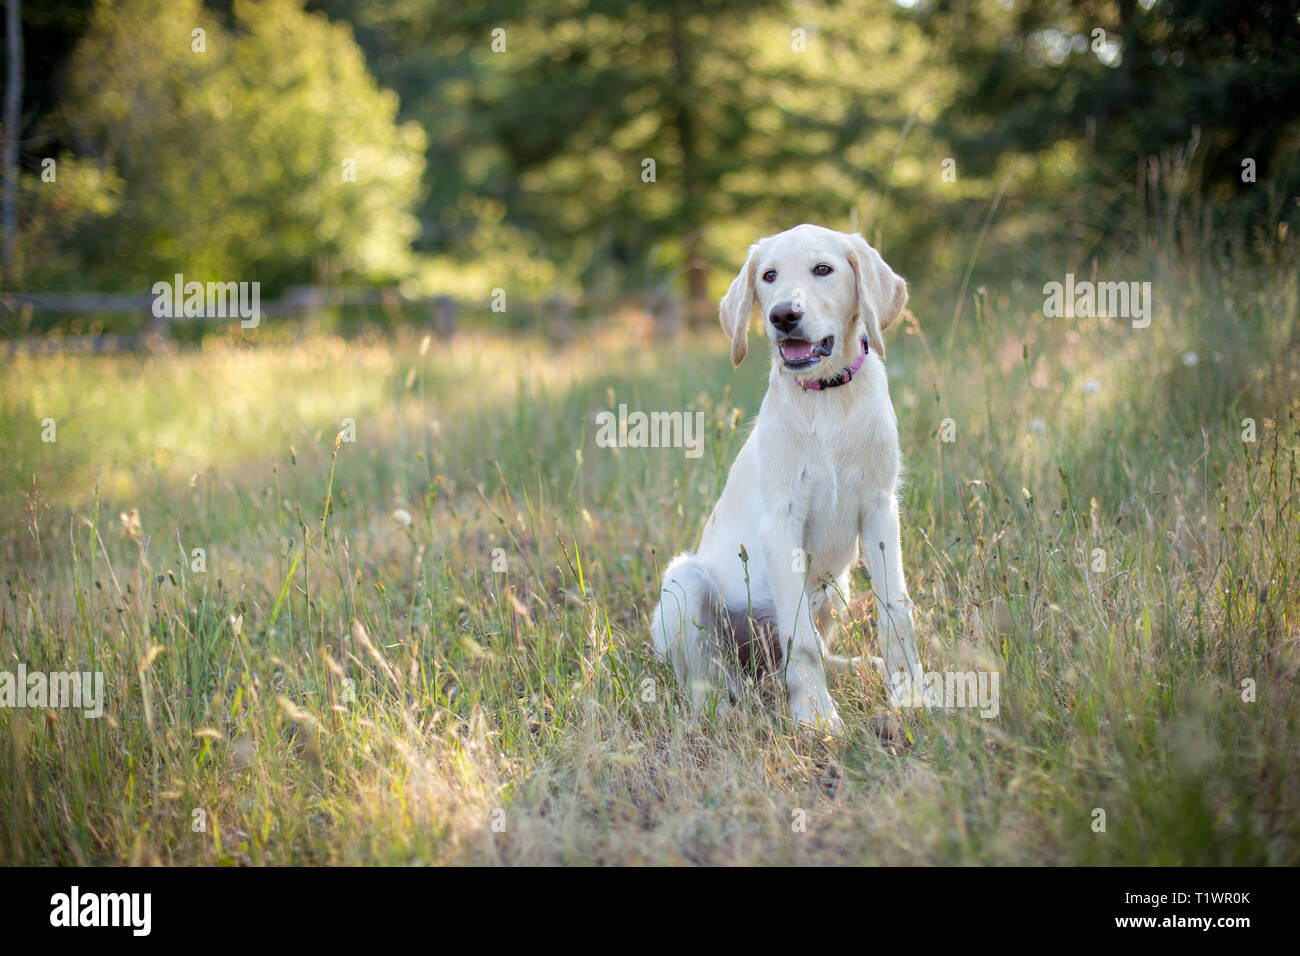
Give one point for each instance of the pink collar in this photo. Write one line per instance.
(843, 378)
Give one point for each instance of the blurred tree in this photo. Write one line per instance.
(12, 126)
(36, 133)
(760, 112)
(67, 198)
(265, 151)
(903, 118)
(1124, 80)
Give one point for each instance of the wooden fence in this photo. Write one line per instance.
(440, 312)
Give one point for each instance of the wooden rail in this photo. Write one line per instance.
(440, 311)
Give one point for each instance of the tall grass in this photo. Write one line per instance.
(338, 686)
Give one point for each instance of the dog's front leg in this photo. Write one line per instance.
(805, 675)
(881, 548)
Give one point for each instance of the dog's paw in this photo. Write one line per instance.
(817, 712)
(905, 692)
(708, 700)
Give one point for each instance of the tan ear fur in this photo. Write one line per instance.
(735, 308)
(882, 293)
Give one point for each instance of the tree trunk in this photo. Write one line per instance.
(12, 120)
(698, 308)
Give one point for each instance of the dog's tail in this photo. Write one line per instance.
(686, 605)
(685, 630)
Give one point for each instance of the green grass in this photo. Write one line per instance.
(503, 717)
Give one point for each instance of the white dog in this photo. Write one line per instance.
(817, 478)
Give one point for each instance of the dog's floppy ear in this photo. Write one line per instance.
(882, 293)
(737, 304)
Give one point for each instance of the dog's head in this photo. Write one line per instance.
(820, 292)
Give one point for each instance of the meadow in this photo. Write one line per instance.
(428, 645)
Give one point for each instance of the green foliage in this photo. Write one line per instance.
(67, 199)
(756, 115)
(234, 156)
(1207, 84)
(540, 117)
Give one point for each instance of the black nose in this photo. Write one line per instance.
(785, 316)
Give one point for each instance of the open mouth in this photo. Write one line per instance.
(800, 353)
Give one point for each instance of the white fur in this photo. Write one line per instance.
(819, 473)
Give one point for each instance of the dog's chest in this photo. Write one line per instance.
(823, 463)
(827, 503)
(837, 466)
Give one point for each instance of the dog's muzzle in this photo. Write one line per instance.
(800, 353)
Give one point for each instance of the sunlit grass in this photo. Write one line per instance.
(338, 686)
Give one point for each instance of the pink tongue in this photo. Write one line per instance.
(796, 350)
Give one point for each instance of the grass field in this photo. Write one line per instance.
(338, 686)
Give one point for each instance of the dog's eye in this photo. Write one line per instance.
(822, 269)
(769, 275)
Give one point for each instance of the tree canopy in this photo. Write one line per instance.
(630, 146)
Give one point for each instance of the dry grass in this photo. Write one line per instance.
(507, 718)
